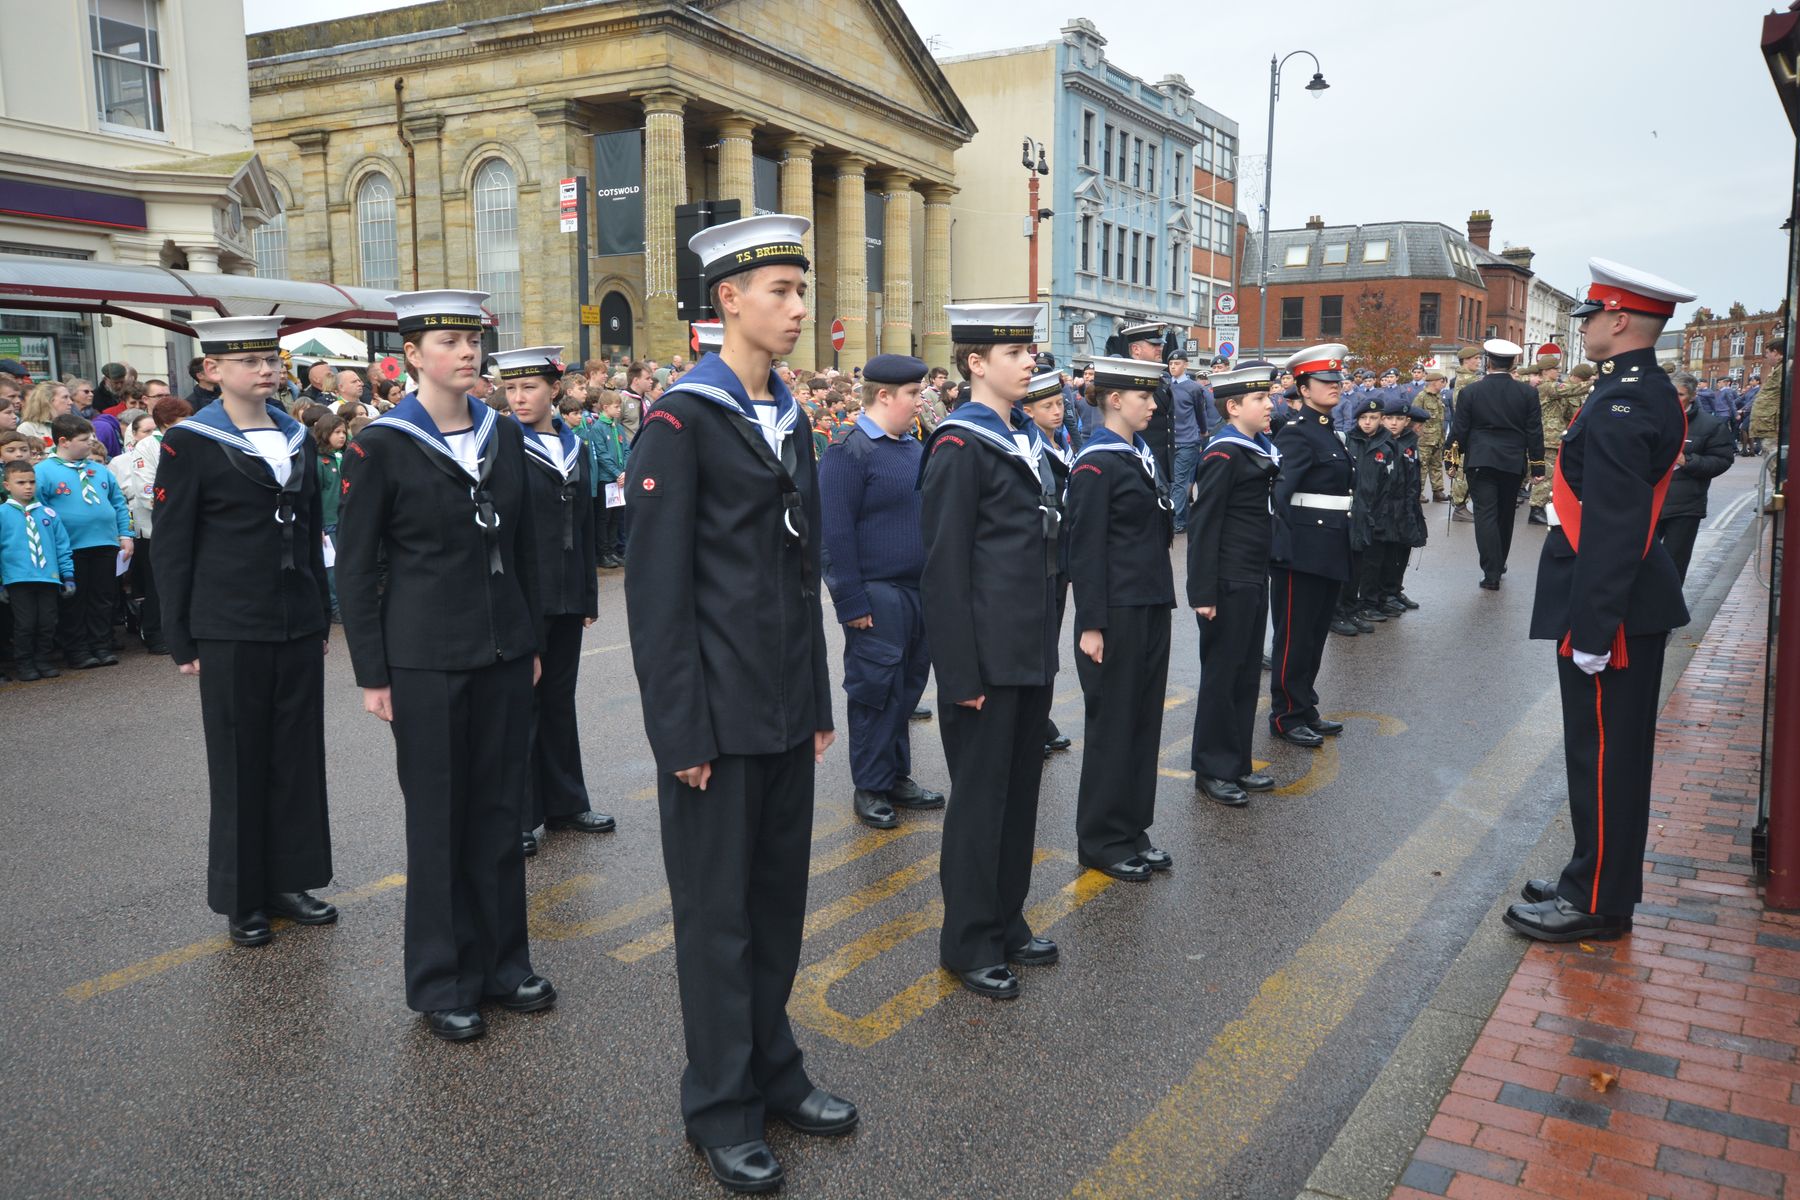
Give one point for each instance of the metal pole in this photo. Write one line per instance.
(1031, 243)
(1262, 321)
(581, 259)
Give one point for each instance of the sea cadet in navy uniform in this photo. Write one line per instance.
(869, 495)
(1229, 533)
(1121, 522)
(437, 582)
(568, 589)
(990, 585)
(1498, 436)
(1608, 594)
(1044, 405)
(727, 636)
(240, 563)
(1310, 559)
(1144, 341)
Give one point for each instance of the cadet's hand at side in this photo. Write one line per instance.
(1591, 664)
(192, 668)
(864, 622)
(822, 739)
(696, 777)
(1093, 644)
(1208, 611)
(975, 704)
(377, 700)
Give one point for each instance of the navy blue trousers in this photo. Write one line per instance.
(885, 667)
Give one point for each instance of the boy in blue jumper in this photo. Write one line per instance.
(86, 497)
(35, 566)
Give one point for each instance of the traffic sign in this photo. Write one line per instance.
(1225, 303)
(837, 334)
(1227, 350)
(1225, 325)
(590, 314)
(565, 191)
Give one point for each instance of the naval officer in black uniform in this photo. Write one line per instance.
(1608, 594)
(437, 584)
(728, 640)
(1143, 341)
(240, 564)
(568, 589)
(1310, 558)
(1499, 436)
(990, 519)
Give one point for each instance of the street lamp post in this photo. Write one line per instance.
(1316, 86)
(1034, 214)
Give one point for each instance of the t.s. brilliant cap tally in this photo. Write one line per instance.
(993, 324)
(1127, 375)
(529, 361)
(237, 335)
(771, 240)
(439, 308)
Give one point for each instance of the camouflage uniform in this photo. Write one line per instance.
(1459, 487)
(1765, 410)
(1559, 402)
(1431, 440)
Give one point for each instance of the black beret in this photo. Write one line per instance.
(894, 369)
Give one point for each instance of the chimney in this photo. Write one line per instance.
(1481, 227)
(1315, 223)
(1521, 255)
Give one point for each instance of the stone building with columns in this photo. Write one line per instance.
(422, 147)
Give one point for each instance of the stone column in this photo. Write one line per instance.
(896, 259)
(852, 264)
(202, 259)
(309, 227)
(934, 343)
(426, 130)
(665, 187)
(549, 259)
(797, 200)
(737, 176)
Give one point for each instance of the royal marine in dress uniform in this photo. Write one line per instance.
(1608, 594)
(1498, 437)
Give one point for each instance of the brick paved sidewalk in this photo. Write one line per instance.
(1690, 1023)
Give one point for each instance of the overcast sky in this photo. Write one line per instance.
(1646, 132)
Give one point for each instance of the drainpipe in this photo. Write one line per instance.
(412, 172)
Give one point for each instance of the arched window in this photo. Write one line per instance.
(497, 247)
(377, 249)
(270, 240)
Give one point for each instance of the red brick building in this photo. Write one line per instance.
(1714, 346)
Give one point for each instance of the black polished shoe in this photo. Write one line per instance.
(302, 908)
(1536, 891)
(26, 672)
(1158, 860)
(1368, 614)
(1556, 920)
(873, 809)
(528, 844)
(82, 662)
(1328, 728)
(1059, 742)
(1406, 601)
(585, 822)
(533, 994)
(1038, 952)
(907, 794)
(822, 1114)
(455, 1024)
(996, 983)
(46, 671)
(746, 1167)
(1392, 607)
(921, 713)
(1256, 781)
(1345, 627)
(1537, 516)
(1301, 735)
(1130, 870)
(1362, 626)
(1223, 791)
(107, 659)
(249, 929)
(1490, 585)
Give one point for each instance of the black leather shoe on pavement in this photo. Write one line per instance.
(1256, 781)
(1059, 742)
(1490, 585)
(82, 662)
(585, 822)
(46, 671)
(1406, 601)
(746, 1167)
(1536, 891)
(1557, 920)
(249, 929)
(1158, 860)
(1301, 735)
(822, 1114)
(921, 713)
(1222, 791)
(455, 1024)
(1392, 606)
(26, 672)
(528, 844)
(1369, 614)
(1038, 952)
(1328, 728)
(908, 794)
(873, 809)
(533, 994)
(302, 908)
(996, 983)
(107, 659)
(1345, 627)
(1130, 870)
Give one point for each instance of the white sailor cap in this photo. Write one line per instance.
(1126, 375)
(1141, 331)
(1324, 362)
(236, 335)
(530, 361)
(709, 335)
(1501, 348)
(993, 324)
(1251, 377)
(771, 240)
(439, 308)
(1044, 385)
(1619, 287)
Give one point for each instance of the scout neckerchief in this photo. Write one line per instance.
(1105, 440)
(1022, 442)
(409, 417)
(34, 541)
(214, 422)
(564, 465)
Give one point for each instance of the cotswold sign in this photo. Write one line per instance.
(619, 192)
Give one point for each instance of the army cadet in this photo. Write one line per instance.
(869, 495)
(1558, 401)
(990, 583)
(1121, 523)
(1144, 342)
(437, 582)
(1043, 404)
(568, 590)
(1498, 438)
(1310, 557)
(1431, 436)
(240, 564)
(1468, 370)
(1608, 594)
(728, 641)
(1765, 409)
(1228, 582)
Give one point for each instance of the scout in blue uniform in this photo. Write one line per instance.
(1608, 594)
(240, 563)
(36, 567)
(869, 494)
(568, 590)
(1121, 522)
(437, 582)
(728, 641)
(1044, 405)
(990, 583)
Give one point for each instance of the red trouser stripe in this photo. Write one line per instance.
(1599, 797)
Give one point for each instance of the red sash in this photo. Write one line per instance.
(1568, 513)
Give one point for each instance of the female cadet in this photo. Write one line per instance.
(1044, 405)
(1120, 526)
(437, 584)
(241, 573)
(568, 589)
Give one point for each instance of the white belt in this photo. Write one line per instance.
(1321, 500)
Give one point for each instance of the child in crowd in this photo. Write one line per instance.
(1373, 453)
(1401, 525)
(330, 433)
(35, 567)
(94, 513)
(14, 447)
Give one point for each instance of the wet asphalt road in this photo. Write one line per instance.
(145, 1057)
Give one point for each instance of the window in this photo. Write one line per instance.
(1298, 256)
(1105, 249)
(1475, 318)
(1715, 341)
(1227, 157)
(497, 247)
(1462, 318)
(1759, 345)
(1180, 175)
(127, 63)
(1124, 154)
(1136, 248)
(1205, 214)
(1331, 316)
(1150, 168)
(1177, 252)
(1087, 139)
(1119, 261)
(1137, 162)
(1737, 343)
(1204, 149)
(1149, 262)
(1198, 302)
(377, 251)
(1087, 243)
(270, 241)
(1337, 254)
(1428, 314)
(1376, 251)
(1107, 169)
(1293, 318)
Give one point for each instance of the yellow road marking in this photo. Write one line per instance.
(545, 928)
(865, 898)
(605, 649)
(1180, 1146)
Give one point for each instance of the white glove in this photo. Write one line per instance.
(1591, 664)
